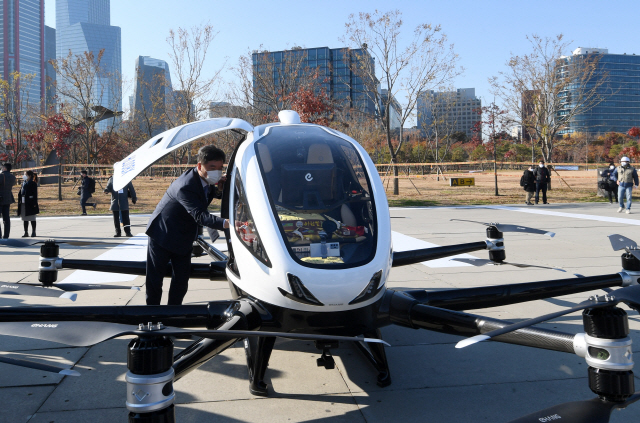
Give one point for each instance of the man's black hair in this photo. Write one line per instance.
(8, 166)
(84, 172)
(209, 153)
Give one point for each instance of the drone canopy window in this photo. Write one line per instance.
(244, 224)
(320, 195)
(198, 129)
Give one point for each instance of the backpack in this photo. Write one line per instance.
(522, 179)
(92, 185)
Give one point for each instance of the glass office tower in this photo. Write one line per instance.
(620, 109)
(151, 94)
(22, 43)
(332, 69)
(84, 25)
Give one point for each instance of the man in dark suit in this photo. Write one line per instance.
(174, 224)
(87, 187)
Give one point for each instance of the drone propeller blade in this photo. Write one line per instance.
(84, 334)
(512, 228)
(483, 262)
(14, 243)
(591, 411)
(86, 287)
(619, 242)
(38, 366)
(635, 253)
(33, 291)
(629, 295)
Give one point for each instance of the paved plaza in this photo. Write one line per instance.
(432, 381)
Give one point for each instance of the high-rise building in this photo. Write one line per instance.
(395, 110)
(334, 72)
(22, 43)
(151, 93)
(49, 70)
(84, 26)
(620, 108)
(453, 111)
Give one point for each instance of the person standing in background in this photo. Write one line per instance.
(543, 178)
(610, 184)
(528, 182)
(28, 202)
(7, 181)
(87, 187)
(120, 205)
(626, 177)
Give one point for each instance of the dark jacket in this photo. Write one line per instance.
(85, 187)
(28, 196)
(7, 181)
(174, 223)
(529, 181)
(609, 179)
(542, 174)
(120, 200)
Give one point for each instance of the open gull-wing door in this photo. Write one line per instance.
(164, 143)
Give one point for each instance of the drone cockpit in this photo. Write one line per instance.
(320, 194)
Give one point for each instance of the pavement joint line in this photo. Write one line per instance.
(350, 392)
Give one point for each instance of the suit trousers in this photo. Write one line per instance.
(541, 186)
(6, 220)
(158, 259)
(125, 221)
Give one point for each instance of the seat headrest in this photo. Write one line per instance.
(319, 154)
(265, 158)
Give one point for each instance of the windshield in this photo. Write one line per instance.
(320, 194)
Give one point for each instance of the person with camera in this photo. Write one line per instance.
(87, 187)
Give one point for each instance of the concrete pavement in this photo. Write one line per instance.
(432, 381)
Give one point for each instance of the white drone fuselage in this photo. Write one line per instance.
(334, 288)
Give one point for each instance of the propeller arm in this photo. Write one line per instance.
(403, 258)
(213, 271)
(499, 295)
(404, 310)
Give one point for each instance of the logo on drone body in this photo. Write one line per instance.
(44, 325)
(128, 165)
(308, 177)
(550, 418)
(9, 286)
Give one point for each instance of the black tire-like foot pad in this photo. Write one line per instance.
(383, 380)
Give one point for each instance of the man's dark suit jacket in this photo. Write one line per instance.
(174, 223)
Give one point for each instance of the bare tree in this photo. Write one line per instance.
(545, 91)
(440, 123)
(88, 94)
(19, 113)
(406, 68)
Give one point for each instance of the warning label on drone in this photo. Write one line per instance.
(462, 182)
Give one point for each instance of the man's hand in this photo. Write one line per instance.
(221, 182)
(106, 192)
(134, 201)
(226, 224)
(618, 182)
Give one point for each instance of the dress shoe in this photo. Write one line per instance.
(118, 235)
(83, 214)
(26, 235)
(33, 234)
(128, 234)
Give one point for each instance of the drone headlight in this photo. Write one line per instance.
(371, 290)
(300, 293)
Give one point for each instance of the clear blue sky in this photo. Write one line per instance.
(484, 33)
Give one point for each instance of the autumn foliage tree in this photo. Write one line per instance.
(313, 106)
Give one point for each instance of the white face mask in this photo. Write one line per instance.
(25, 178)
(624, 164)
(540, 165)
(213, 176)
(612, 167)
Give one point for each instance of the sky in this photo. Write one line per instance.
(484, 33)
